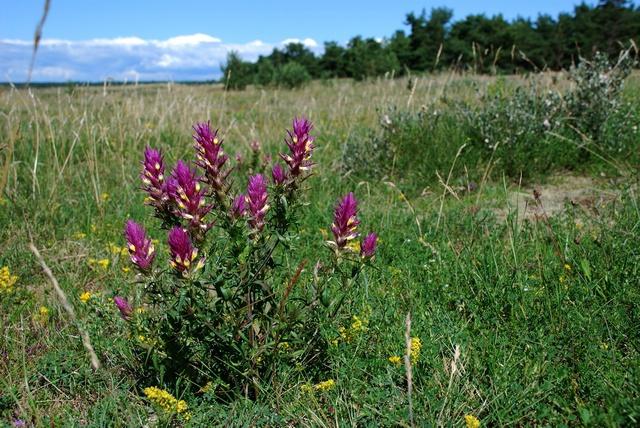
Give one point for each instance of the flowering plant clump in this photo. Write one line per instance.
(167, 402)
(229, 296)
(7, 281)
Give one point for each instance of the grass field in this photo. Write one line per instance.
(527, 309)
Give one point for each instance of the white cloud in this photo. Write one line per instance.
(185, 57)
(310, 43)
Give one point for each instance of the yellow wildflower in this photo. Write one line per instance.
(306, 388)
(354, 246)
(7, 281)
(84, 297)
(567, 267)
(416, 345)
(394, 359)
(104, 196)
(325, 386)
(472, 421)
(42, 316)
(206, 388)
(324, 233)
(79, 235)
(126, 269)
(284, 346)
(104, 263)
(167, 402)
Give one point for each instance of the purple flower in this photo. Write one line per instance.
(255, 146)
(140, 247)
(152, 176)
(184, 188)
(300, 145)
(345, 221)
(277, 173)
(368, 245)
(238, 207)
(183, 253)
(211, 157)
(257, 200)
(123, 306)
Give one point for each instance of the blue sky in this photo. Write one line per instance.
(134, 39)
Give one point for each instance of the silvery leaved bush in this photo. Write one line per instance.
(215, 302)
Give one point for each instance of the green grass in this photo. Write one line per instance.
(539, 343)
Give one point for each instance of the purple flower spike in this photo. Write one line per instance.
(239, 206)
(277, 173)
(300, 145)
(211, 157)
(257, 200)
(140, 247)
(123, 306)
(368, 245)
(184, 188)
(183, 253)
(345, 222)
(153, 180)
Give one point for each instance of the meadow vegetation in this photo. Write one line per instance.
(469, 310)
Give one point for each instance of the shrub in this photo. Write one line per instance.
(292, 75)
(595, 95)
(236, 73)
(234, 304)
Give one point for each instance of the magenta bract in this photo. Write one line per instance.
(239, 206)
(278, 175)
(140, 247)
(187, 193)
(153, 179)
(123, 306)
(301, 147)
(257, 200)
(368, 245)
(345, 220)
(210, 156)
(183, 253)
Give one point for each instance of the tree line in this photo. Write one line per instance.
(476, 43)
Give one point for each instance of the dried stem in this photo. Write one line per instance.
(95, 363)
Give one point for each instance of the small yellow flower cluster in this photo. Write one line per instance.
(354, 246)
(85, 297)
(472, 421)
(42, 316)
(148, 341)
(104, 196)
(416, 346)
(117, 250)
(567, 267)
(347, 334)
(7, 281)
(284, 346)
(103, 263)
(167, 402)
(206, 388)
(394, 359)
(326, 385)
(79, 235)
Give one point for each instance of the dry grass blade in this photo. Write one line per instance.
(95, 362)
(37, 36)
(407, 366)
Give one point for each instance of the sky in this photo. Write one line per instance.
(90, 40)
